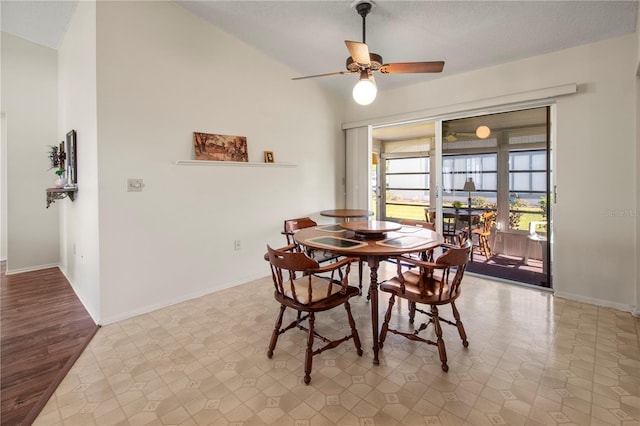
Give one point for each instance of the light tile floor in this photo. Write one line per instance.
(532, 359)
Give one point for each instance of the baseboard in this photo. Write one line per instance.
(599, 302)
(92, 314)
(633, 310)
(31, 269)
(182, 298)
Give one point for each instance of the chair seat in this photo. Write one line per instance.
(322, 289)
(413, 293)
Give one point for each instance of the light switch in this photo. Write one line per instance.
(134, 185)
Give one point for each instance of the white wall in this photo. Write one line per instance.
(29, 102)
(595, 239)
(163, 73)
(79, 236)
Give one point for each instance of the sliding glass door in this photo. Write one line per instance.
(509, 167)
(452, 173)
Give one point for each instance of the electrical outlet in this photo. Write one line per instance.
(134, 185)
(236, 245)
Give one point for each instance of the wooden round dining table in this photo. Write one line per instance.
(364, 239)
(347, 214)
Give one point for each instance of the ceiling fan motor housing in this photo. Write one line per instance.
(376, 63)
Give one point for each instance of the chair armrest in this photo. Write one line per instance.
(421, 263)
(290, 247)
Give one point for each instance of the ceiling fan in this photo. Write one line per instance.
(366, 63)
(453, 136)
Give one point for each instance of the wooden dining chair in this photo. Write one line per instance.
(430, 215)
(293, 225)
(483, 231)
(308, 294)
(431, 283)
(451, 230)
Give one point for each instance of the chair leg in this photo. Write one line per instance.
(412, 312)
(488, 246)
(354, 331)
(484, 245)
(360, 276)
(441, 348)
(276, 331)
(309, 356)
(456, 315)
(387, 317)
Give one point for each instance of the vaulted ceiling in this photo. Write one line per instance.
(308, 36)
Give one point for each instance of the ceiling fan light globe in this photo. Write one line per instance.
(365, 92)
(483, 132)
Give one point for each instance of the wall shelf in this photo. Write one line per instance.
(54, 194)
(231, 164)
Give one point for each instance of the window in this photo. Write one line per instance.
(527, 187)
(483, 168)
(406, 187)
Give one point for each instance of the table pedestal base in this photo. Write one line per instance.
(374, 263)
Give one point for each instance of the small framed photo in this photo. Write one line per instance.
(268, 157)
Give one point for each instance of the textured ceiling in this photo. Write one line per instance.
(308, 36)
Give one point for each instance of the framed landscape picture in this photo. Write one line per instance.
(214, 147)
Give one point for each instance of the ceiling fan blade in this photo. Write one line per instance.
(412, 67)
(359, 52)
(323, 75)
